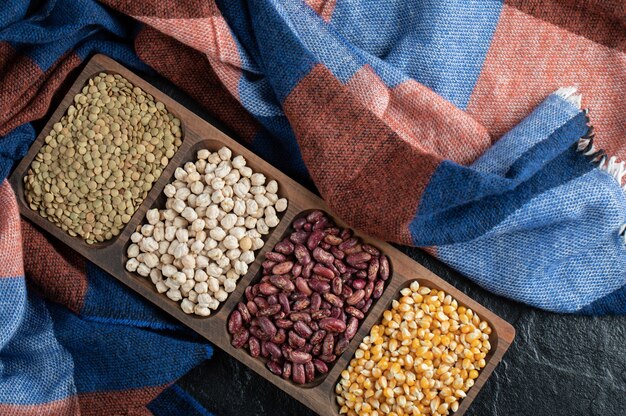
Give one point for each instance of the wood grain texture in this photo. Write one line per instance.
(197, 133)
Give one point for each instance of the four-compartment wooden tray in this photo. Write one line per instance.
(197, 133)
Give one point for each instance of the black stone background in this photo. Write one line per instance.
(558, 365)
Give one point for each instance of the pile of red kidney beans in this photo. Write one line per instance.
(318, 283)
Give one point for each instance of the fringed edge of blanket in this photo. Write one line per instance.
(586, 146)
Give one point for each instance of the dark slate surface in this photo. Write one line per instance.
(558, 365)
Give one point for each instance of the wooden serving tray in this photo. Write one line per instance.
(197, 133)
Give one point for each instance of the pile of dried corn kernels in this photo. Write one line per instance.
(420, 360)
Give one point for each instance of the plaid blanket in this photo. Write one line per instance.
(460, 126)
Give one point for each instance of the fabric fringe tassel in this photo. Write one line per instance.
(596, 156)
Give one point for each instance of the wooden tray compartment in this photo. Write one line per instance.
(356, 340)
(111, 255)
(189, 155)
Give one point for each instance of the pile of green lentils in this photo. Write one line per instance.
(101, 159)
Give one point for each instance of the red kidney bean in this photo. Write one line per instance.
(275, 257)
(321, 223)
(341, 345)
(353, 250)
(361, 269)
(303, 286)
(301, 304)
(258, 333)
(328, 345)
(284, 323)
(357, 313)
(314, 326)
(235, 322)
(297, 374)
(308, 348)
(320, 366)
(367, 306)
(317, 337)
(303, 329)
(378, 289)
(333, 231)
(317, 350)
(297, 296)
(341, 268)
(333, 300)
(319, 286)
(360, 304)
(261, 302)
(307, 270)
(369, 289)
(299, 357)
(300, 316)
(295, 340)
(333, 240)
(267, 289)
(338, 254)
(299, 237)
(307, 227)
(280, 337)
(314, 216)
(346, 291)
(316, 301)
(248, 292)
(309, 371)
(371, 250)
(327, 358)
(335, 312)
(345, 234)
(267, 326)
(275, 367)
(314, 239)
(284, 247)
(298, 223)
(320, 314)
(355, 297)
(358, 284)
(323, 271)
(254, 345)
(348, 243)
(272, 299)
(286, 350)
(286, 370)
(384, 267)
(240, 338)
(269, 311)
(283, 300)
(323, 256)
(282, 268)
(296, 270)
(267, 265)
(252, 308)
(351, 328)
(324, 245)
(264, 352)
(245, 313)
(282, 281)
(337, 285)
(302, 254)
(332, 325)
(274, 350)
